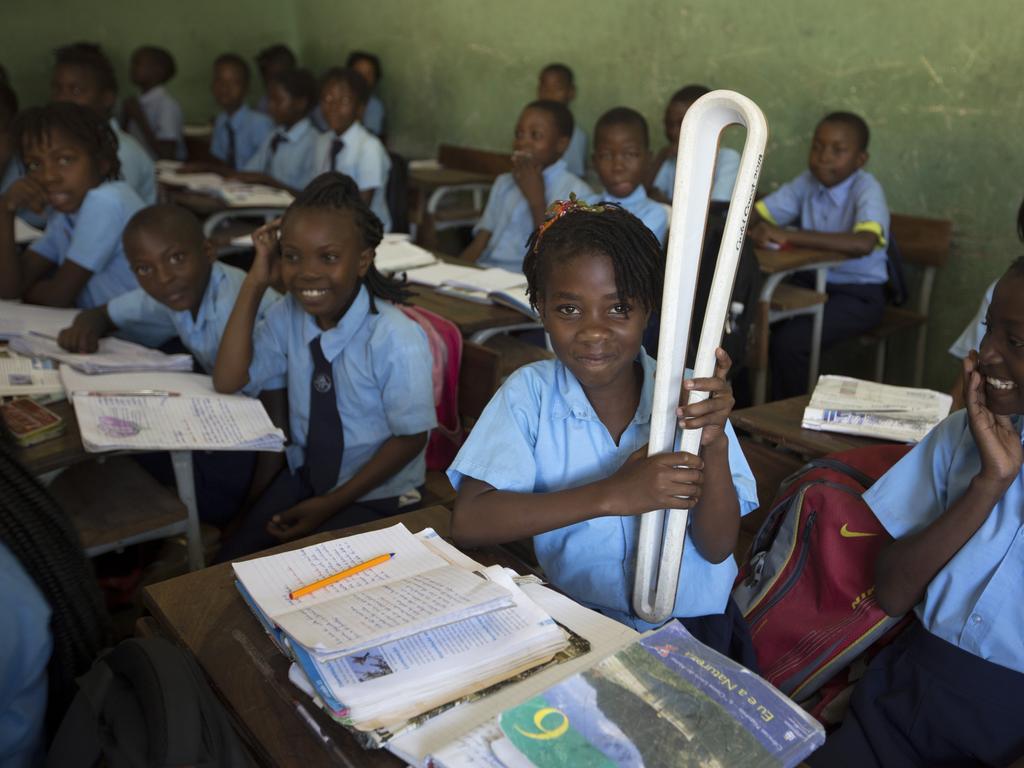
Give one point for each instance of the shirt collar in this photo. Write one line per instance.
(334, 340)
(351, 133)
(297, 131)
(571, 400)
(207, 304)
(153, 94)
(838, 193)
(556, 168)
(633, 197)
(238, 117)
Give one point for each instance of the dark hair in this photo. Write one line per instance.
(689, 94)
(163, 59)
(855, 122)
(1016, 267)
(349, 77)
(276, 54)
(235, 60)
(336, 191)
(559, 113)
(299, 84)
(164, 218)
(562, 70)
(366, 56)
(80, 123)
(623, 116)
(41, 537)
(635, 253)
(91, 57)
(8, 105)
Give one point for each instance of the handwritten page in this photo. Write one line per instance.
(113, 355)
(27, 377)
(17, 319)
(24, 232)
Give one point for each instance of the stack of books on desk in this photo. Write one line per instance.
(856, 407)
(113, 355)
(484, 286)
(403, 639)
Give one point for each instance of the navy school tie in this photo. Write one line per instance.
(336, 146)
(231, 144)
(325, 441)
(275, 142)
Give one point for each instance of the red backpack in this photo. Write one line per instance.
(807, 590)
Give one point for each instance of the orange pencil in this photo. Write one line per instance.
(295, 594)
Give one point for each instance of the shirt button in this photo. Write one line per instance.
(976, 618)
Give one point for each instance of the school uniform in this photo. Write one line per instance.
(856, 288)
(165, 118)
(375, 376)
(25, 648)
(14, 171)
(576, 153)
(287, 154)
(136, 165)
(91, 238)
(373, 115)
(540, 434)
(975, 330)
(237, 136)
(727, 165)
(507, 214)
(650, 212)
(949, 692)
(359, 154)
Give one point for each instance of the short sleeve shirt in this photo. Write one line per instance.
(365, 159)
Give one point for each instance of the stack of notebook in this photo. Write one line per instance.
(113, 355)
(403, 639)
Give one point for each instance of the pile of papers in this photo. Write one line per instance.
(28, 377)
(235, 193)
(17, 319)
(397, 253)
(113, 355)
(485, 286)
(402, 638)
(856, 407)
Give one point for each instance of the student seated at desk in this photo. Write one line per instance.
(11, 168)
(360, 397)
(239, 130)
(347, 147)
(539, 176)
(560, 452)
(661, 180)
(839, 207)
(948, 691)
(621, 154)
(71, 156)
(287, 156)
(374, 114)
(154, 117)
(273, 61)
(557, 83)
(83, 75)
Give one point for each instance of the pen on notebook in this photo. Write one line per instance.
(295, 594)
(125, 393)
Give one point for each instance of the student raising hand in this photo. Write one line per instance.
(266, 263)
(999, 442)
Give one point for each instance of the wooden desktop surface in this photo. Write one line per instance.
(203, 612)
(778, 423)
(429, 179)
(790, 259)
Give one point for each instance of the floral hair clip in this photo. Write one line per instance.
(561, 208)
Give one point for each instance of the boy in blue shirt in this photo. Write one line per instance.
(273, 61)
(557, 83)
(518, 200)
(154, 117)
(238, 130)
(948, 691)
(839, 207)
(374, 114)
(347, 147)
(621, 155)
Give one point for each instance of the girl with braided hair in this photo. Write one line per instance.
(70, 155)
(560, 452)
(358, 371)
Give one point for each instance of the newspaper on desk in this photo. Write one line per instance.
(866, 408)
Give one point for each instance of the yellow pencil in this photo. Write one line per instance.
(295, 594)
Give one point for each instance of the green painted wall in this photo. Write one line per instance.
(938, 81)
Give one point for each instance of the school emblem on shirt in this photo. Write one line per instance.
(322, 383)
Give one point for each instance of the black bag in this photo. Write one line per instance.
(896, 287)
(146, 704)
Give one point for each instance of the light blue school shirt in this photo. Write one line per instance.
(293, 161)
(540, 434)
(365, 159)
(251, 128)
(856, 204)
(576, 153)
(141, 318)
(91, 238)
(975, 330)
(165, 118)
(727, 166)
(650, 212)
(14, 171)
(136, 165)
(25, 648)
(373, 115)
(382, 375)
(507, 214)
(976, 601)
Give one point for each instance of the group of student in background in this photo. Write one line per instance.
(559, 454)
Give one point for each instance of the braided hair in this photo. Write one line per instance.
(80, 124)
(333, 190)
(40, 535)
(574, 229)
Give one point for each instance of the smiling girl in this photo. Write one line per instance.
(70, 155)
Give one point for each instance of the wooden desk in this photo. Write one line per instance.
(246, 669)
(201, 204)
(778, 423)
(476, 321)
(56, 454)
(427, 186)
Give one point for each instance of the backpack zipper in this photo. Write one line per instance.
(805, 549)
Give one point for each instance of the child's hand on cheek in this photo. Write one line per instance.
(998, 440)
(665, 481)
(25, 193)
(528, 176)
(266, 264)
(712, 413)
(301, 520)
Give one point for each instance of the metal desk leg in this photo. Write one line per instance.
(768, 287)
(817, 323)
(185, 480)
